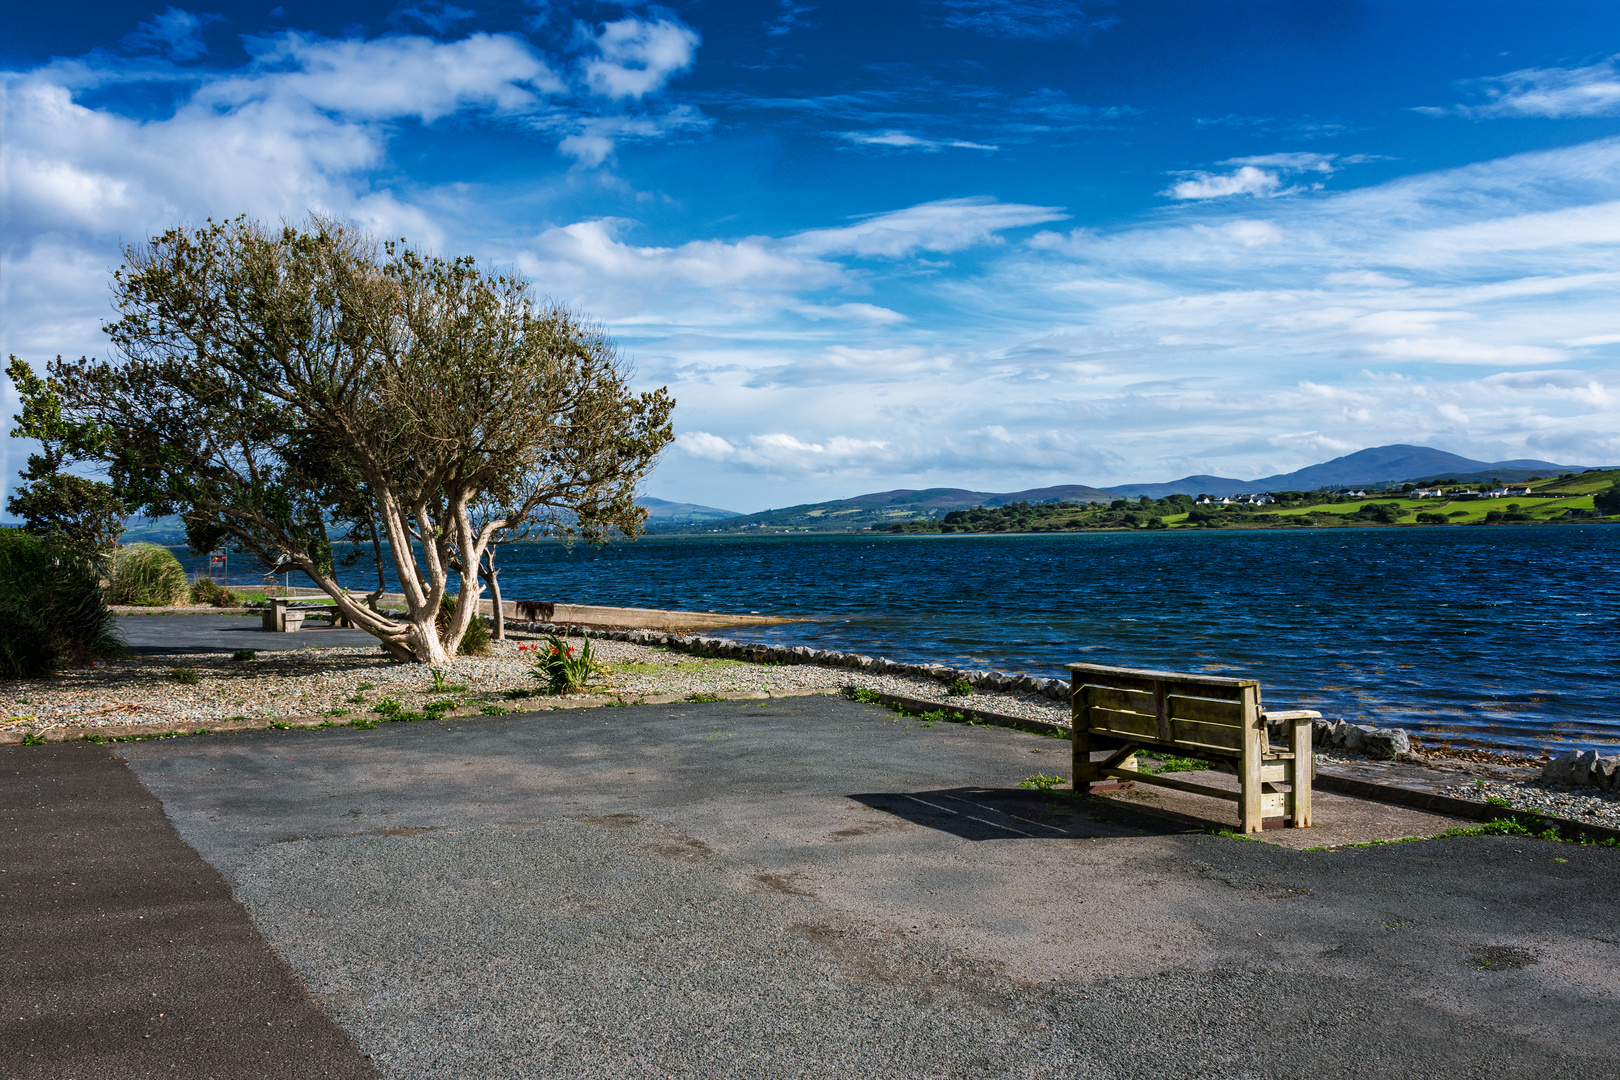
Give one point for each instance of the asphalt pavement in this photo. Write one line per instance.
(161, 635)
(813, 887)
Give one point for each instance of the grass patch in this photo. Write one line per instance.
(336, 712)
(386, 707)
(1169, 763)
(184, 675)
(701, 698)
(245, 654)
(496, 710)
(1042, 783)
(33, 740)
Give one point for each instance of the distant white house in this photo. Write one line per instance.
(1426, 493)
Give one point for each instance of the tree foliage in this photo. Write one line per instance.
(288, 390)
(72, 513)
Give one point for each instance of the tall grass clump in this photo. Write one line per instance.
(51, 609)
(475, 642)
(146, 575)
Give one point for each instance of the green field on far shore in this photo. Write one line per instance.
(1566, 498)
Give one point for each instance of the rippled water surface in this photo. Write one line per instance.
(1504, 636)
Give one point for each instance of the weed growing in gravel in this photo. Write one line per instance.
(959, 688)
(871, 697)
(1497, 800)
(357, 722)
(440, 686)
(436, 709)
(336, 712)
(280, 725)
(186, 675)
(244, 654)
(701, 698)
(366, 686)
(496, 710)
(33, 740)
(386, 707)
(1043, 784)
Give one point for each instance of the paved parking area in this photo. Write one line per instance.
(165, 635)
(818, 888)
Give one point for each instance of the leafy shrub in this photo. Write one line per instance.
(959, 688)
(244, 654)
(185, 675)
(207, 591)
(564, 668)
(146, 575)
(475, 642)
(51, 609)
(1429, 518)
(26, 651)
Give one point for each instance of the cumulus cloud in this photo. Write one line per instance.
(1259, 175)
(1547, 92)
(636, 57)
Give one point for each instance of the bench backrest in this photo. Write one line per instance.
(1172, 708)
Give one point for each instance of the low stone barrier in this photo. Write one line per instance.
(1377, 743)
(1589, 769)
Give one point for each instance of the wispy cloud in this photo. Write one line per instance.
(436, 15)
(944, 226)
(902, 140)
(1546, 92)
(174, 32)
(1025, 18)
(790, 16)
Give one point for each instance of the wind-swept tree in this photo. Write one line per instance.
(286, 390)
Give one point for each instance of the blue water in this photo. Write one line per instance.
(1504, 636)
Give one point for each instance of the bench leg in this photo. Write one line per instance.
(1299, 797)
(1251, 812)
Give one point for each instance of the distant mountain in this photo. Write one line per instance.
(663, 514)
(1400, 463)
(882, 508)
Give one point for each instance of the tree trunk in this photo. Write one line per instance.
(493, 576)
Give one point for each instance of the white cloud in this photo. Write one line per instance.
(944, 226)
(1548, 92)
(599, 136)
(388, 78)
(1453, 350)
(636, 57)
(900, 140)
(1248, 180)
(1260, 175)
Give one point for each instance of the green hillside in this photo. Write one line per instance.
(1565, 498)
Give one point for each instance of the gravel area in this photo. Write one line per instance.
(143, 694)
(1576, 804)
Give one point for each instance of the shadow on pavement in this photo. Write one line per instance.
(976, 813)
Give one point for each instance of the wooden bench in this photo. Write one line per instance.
(1202, 716)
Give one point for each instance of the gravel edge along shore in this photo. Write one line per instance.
(153, 696)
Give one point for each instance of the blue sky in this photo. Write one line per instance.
(926, 242)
